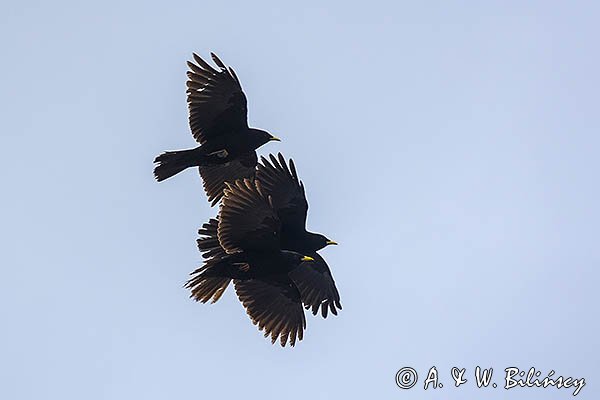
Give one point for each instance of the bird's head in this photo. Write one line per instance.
(260, 137)
(295, 258)
(319, 241)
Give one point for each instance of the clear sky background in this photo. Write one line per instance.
(451, 148)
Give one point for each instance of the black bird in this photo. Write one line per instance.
(246, 248)
(315, 281)
(218, 117)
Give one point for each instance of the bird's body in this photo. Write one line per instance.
(219, 122)
(315, 281)
(281, 225)
(257, 265)
(244, 246)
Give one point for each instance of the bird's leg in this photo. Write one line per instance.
(221, 153)
(245, 267)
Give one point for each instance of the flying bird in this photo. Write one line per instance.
(314, 280)
(218, 117)
(246, 249)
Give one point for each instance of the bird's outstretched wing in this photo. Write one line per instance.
(286, 190)
(274, 305)
(214, 177)
(317, 287)
(247, 220)
(217, 105)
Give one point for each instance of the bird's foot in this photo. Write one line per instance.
(243, 267)
(221, 153)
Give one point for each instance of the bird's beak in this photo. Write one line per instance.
(274, 139)
(307, 258)
(331, 242)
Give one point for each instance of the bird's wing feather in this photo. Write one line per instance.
(247, 220)
(206, 283)
(317, 287)
(208, 243)
(217, 105)
(282, 184)
(274, 305)
(214, 177)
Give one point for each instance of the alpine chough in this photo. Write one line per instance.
(247, 250)
(314, 280)
(218, 117)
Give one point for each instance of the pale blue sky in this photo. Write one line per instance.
(450, 147)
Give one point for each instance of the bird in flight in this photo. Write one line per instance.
(259, 239)
(218, 117)
(276, 223)
(246, 249)
(314, 280)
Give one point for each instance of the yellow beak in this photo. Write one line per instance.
(307, 258)
(274, 138)
(331, 242)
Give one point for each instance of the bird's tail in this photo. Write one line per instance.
(173, 162)
(208, 243)
(209, 281)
